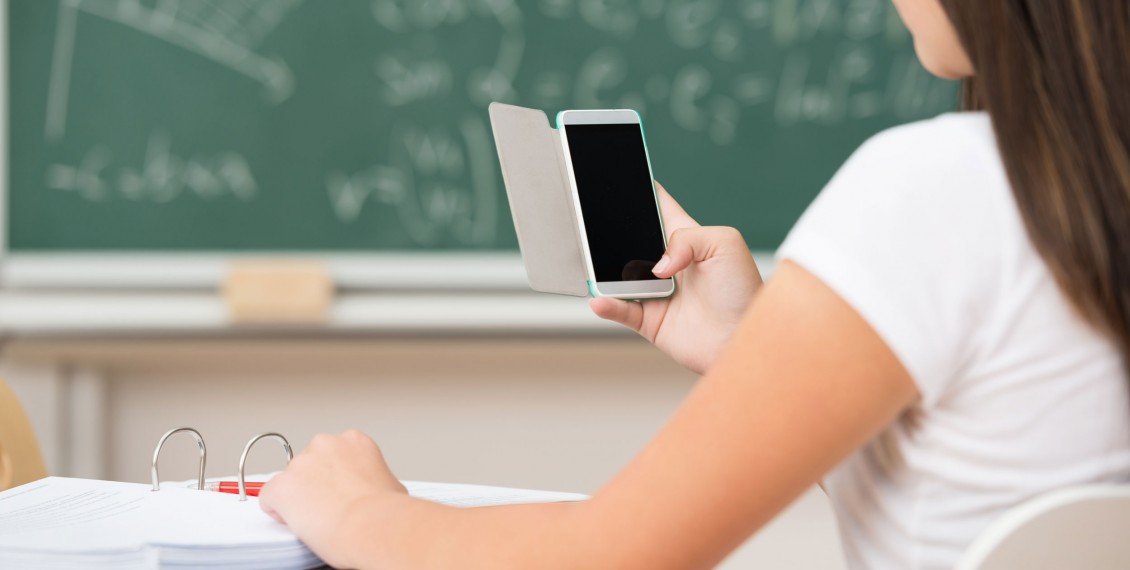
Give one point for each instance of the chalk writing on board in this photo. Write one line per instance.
(701, 99)
(162, 176)
(222, 31)
(408, 79)
(440, 179)
(386, 122)
(440, 182)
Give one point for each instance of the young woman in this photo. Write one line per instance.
(945, 337)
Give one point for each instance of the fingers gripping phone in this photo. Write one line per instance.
(617, 209)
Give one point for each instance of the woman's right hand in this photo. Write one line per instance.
(716, 280)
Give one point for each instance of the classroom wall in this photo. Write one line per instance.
(545, 412)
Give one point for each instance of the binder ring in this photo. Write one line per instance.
(247, 448)
(199, 444)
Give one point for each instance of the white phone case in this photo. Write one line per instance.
(537, 187)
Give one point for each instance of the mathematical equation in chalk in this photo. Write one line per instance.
(426, 69)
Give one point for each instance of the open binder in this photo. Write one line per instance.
(63, 523)
(537, 186)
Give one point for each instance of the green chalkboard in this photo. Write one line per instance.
(355, 125)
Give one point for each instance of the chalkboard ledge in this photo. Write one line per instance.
(462, 272)
(175, 314)
(116, 271)
(179, 295)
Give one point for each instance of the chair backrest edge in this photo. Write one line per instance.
(1016, 519)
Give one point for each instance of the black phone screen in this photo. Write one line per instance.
(617, 200)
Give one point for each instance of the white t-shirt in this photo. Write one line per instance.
(920, 234)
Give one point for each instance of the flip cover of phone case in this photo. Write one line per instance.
(533, 170)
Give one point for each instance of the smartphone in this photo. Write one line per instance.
(617, 208)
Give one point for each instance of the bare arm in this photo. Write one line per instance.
(803, 383)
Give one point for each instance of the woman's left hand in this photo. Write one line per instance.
(325, 487)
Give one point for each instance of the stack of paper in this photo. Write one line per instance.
(59, 524)
(77, 523)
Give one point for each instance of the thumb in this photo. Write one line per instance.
(627, 313)
(694, 245)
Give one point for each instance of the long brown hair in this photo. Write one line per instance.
(1054, 76)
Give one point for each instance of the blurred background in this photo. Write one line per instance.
(288, 215)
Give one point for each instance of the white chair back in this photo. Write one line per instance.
(1079, 527)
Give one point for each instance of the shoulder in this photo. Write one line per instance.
(910, 232)
(957, 150)
(934, 142)
(923, 178)
(935, 188)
